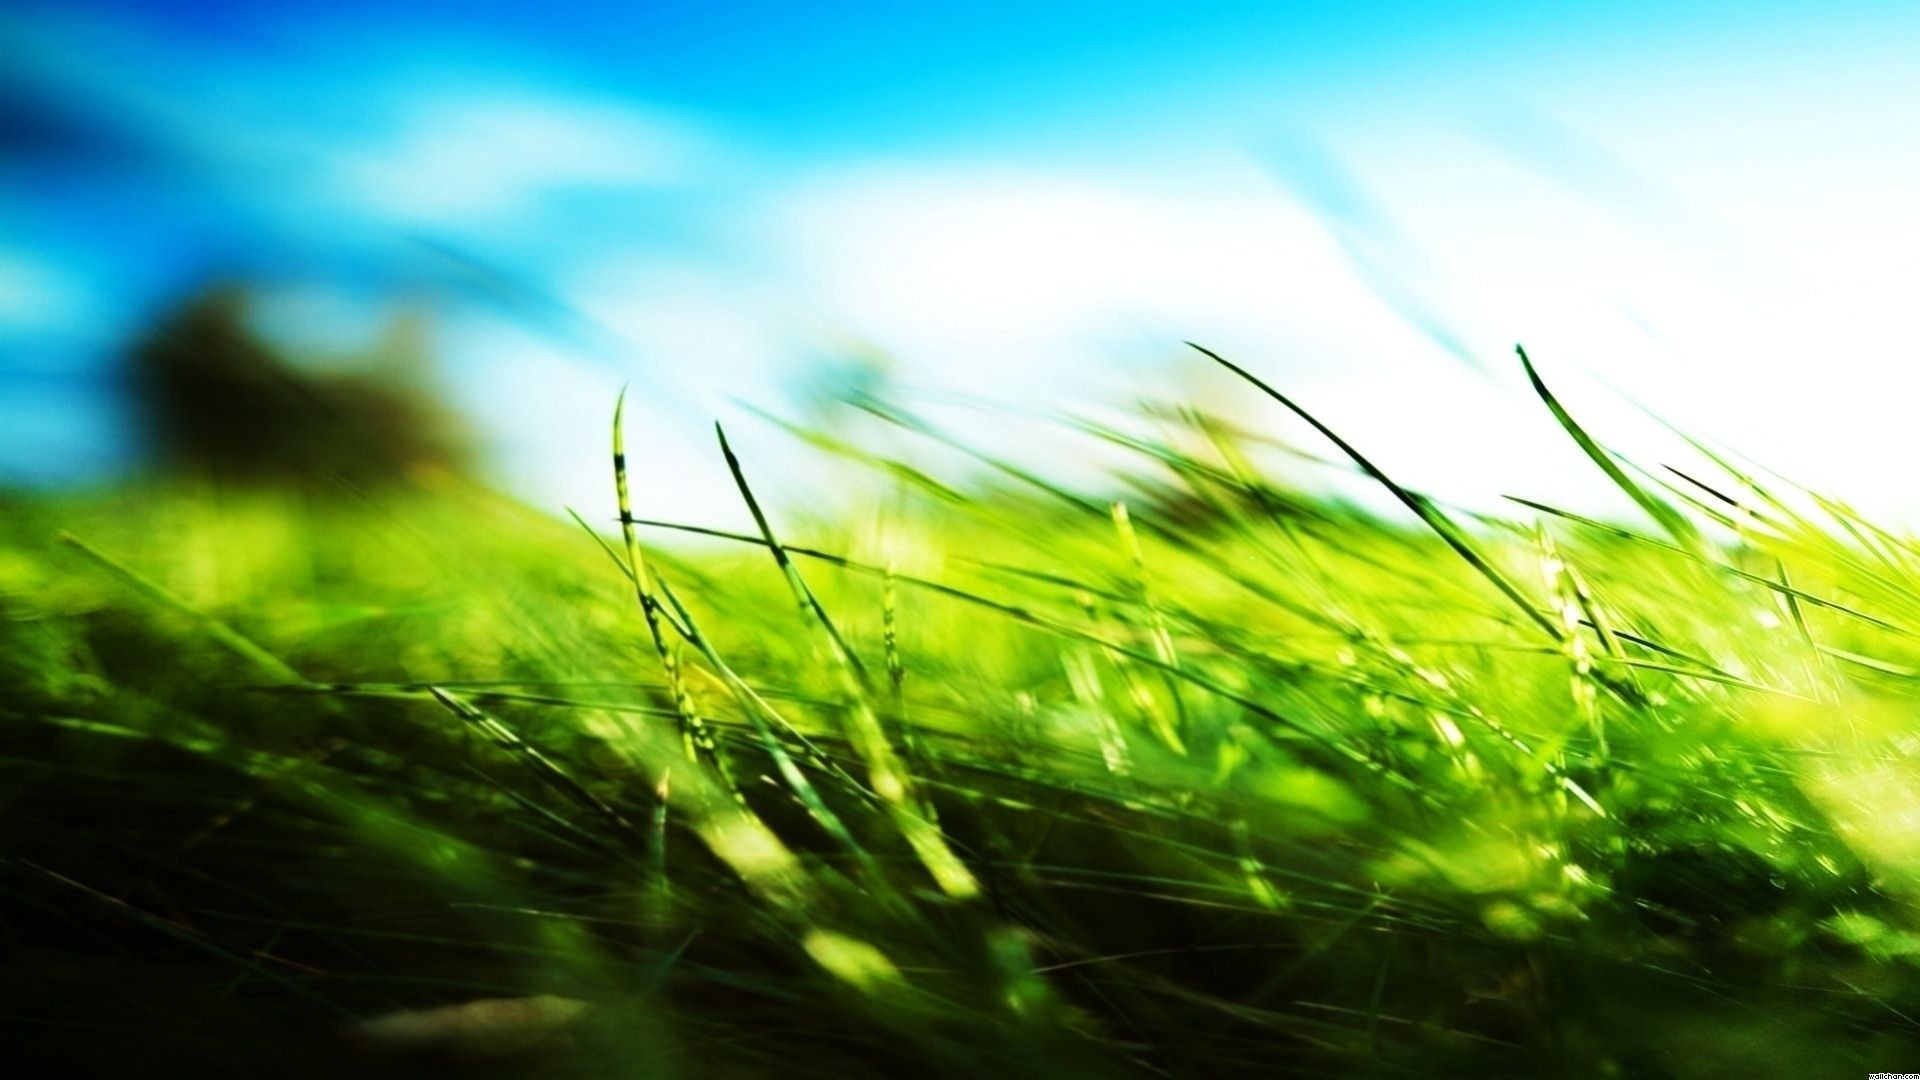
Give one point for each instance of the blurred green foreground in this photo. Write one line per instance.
(994, 780)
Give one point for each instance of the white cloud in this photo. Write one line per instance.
(705, 331)
(487, 155)
(982, 270)
(1055, 288)
(1041, 286)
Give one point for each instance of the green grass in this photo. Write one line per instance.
(1197, 775)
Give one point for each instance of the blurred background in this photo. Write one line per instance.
(514, 209)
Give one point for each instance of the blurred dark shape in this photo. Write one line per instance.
(221, 401)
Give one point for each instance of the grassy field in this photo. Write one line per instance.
(1196, 775)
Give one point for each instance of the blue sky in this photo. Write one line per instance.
(1704, 206)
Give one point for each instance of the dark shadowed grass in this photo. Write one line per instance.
(1192, 775)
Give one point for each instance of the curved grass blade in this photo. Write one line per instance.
(889, 778)
(696, 737)
(1669, 519)
(1440, 523)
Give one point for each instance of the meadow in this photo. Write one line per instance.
(1193, 774)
